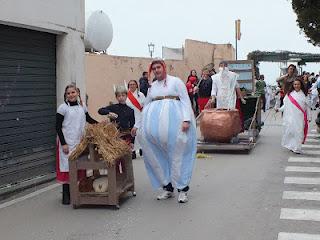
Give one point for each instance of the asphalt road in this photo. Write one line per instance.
(232, 196)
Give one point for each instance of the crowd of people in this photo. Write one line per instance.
(157, 118)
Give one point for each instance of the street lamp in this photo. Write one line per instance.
(151, 48)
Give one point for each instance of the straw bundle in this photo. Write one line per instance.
(105, 137)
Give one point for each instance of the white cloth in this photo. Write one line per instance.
(137, 113)
(268, 97)
(293, 121)
(73, 127)
(224, 86)
(314, 95)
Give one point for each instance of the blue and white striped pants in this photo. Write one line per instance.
(169, 153)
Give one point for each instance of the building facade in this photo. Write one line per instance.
(41, 51)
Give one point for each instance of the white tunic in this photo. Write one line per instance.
(73, 127)
(293, 121)
(172, 87)
(268, 97)
(224, 86)
(314, 95)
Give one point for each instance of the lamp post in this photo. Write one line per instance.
(151, 48)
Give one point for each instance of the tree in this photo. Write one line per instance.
(308, 18)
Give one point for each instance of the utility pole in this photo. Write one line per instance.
(237, 35)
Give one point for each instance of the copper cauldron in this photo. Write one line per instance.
(220, 125)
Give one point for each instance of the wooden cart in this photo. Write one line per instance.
(120, 180)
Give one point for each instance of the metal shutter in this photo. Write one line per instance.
(27, 104)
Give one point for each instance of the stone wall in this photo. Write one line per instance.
(103, 71)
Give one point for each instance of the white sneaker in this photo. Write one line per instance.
(165, 195)
(183, 198)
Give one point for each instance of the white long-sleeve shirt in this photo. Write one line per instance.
(172, 86)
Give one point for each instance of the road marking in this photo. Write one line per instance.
(30, 195)
(313, 135)
(298, 236)
(311, 152)
(301, 180)
(304, 160)
(294, 195)
(312, 140)
(300, 214)
(303, 169)
(310, 146)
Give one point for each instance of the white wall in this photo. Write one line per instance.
(66, 18)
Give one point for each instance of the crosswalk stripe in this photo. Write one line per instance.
(300, 214)
(311, 146)
(297, 236)
(303, 169)
(301, 180)
(304, 160)
(295, 195)
(312, 140)
(313, 135)
(311, 152)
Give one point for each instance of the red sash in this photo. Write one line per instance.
(306, 126)
(134, 101)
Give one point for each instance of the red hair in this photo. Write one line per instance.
(162, 63)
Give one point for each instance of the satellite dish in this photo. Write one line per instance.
(99, 32)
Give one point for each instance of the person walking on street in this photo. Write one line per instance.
(167, 133)
(135, 100)
(205, 87)
(295, 117)
(191, 84)
(286, 80)
(260, 91)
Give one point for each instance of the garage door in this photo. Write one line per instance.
(27, 104)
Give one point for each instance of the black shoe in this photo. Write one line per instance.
(134, 156)
(65, 194)
(140, 152)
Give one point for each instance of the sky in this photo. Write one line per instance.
(266, 25)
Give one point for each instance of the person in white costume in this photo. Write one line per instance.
(167, 133)
(268, 97)
(314, 97)
(135, 100)
(71, 119)
(295, 117)
(225, 88)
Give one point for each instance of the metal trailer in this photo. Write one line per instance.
(251, 113)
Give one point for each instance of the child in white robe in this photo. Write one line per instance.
(295, 117)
